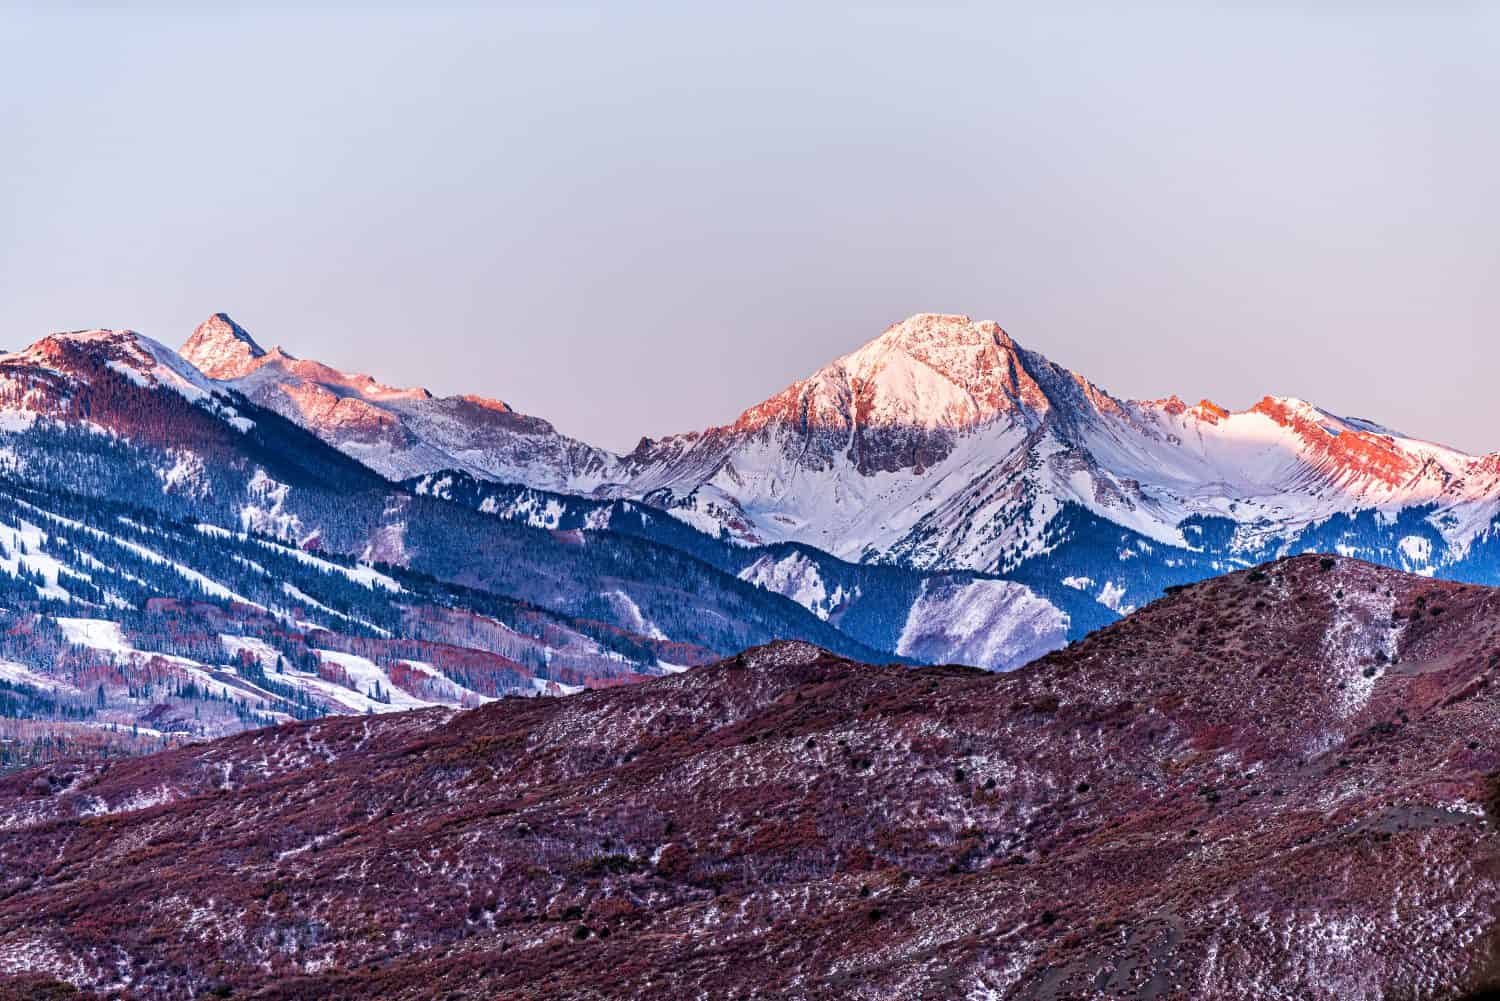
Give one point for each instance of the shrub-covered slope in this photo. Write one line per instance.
(1275, 783)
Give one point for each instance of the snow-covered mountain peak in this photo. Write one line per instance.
(1204, 410)
(398, 431)
(945, 443)
(928, 332)
(74, 376)
(221, 348)
(933, 372)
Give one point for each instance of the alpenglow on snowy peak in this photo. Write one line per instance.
(398, 432)
(221, 348)
(43, 378)
(899, 403)
(943, 444)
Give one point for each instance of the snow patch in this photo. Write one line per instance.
(796, 576)
(994, 624)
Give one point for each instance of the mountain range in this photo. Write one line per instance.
(444, 703)
(943, 445)
(939, 495)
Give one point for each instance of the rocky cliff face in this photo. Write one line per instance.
(1275, 782)
(221, 348)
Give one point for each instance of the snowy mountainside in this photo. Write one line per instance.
(942, 447)
(398, 432)
(944, 444)
(112, 416)
(947, 446)
(124, 629)
(872, 603)
(980, 622)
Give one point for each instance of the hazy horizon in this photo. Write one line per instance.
(641, 223)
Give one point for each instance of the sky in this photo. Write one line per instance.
(641, 219)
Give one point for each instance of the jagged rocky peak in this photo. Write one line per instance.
(61, 374)
(949, 342)
(933, 371)
(56, 344)
(221, 348)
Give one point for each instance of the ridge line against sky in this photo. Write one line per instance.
(642, 222)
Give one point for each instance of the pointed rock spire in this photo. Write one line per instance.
(221, 348)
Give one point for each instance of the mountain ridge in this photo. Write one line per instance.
(132, 450)
(399, 432)
(943, 444)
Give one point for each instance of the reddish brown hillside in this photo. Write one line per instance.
(1273, 784)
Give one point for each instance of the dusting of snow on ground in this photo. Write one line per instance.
(266, 511)
(1112, 596)
(186, 476)
(371, 681)
(1416, 555)
(20, 674)
(546, 686)
(1359, 642)
(21, 546)
(786, 654)
(264, 653)
(96, 634)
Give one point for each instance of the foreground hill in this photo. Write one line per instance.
(1275, 783)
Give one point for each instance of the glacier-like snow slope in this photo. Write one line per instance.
(980, 622)
(796, 575)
